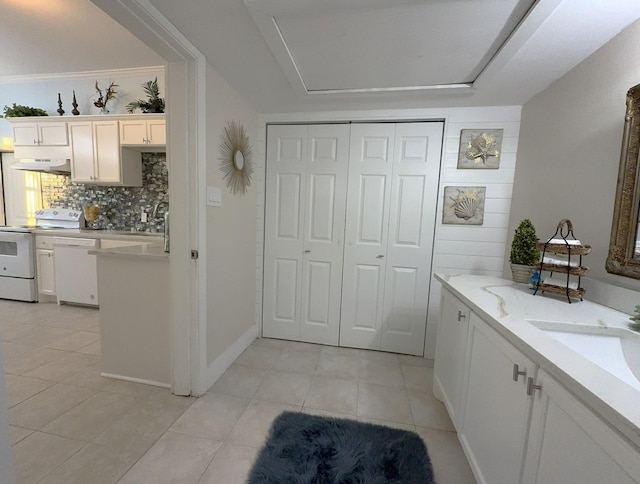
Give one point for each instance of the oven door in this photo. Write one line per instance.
(17, 258)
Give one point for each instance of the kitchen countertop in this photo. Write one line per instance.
(140, 251)
(506, 306)
(149, 237)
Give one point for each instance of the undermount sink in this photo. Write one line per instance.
(616, 350)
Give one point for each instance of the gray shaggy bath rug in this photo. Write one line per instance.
(310, 449)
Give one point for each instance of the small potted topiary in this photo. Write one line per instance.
(525, 254)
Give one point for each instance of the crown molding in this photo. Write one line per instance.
(125, 72)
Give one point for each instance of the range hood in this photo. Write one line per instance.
(52, 165)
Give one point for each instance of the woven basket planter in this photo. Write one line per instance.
(521, 273)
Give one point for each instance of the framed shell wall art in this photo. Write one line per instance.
(464, 205)
(480, 148)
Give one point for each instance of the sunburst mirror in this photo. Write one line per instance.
(236, 161)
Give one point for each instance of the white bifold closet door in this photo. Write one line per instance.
(391, 208)
(304, 231)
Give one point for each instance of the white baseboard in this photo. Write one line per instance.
(136, 380)
(224, 361)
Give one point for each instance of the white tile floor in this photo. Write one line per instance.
(70, 425)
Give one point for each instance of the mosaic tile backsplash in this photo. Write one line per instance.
(120, 207)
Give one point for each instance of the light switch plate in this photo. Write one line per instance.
(214, 197)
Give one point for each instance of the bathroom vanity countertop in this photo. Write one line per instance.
(138, 251)
(508, 307)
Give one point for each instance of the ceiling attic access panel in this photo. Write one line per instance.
(388, 45)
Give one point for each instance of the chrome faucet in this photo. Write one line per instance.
(166, 221)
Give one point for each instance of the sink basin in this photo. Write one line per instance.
(616, 350)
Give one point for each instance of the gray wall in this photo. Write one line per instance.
(570, 139)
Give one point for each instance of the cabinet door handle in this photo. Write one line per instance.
(517, 372)
(380, 256)
(461, 316)
(531, 387)
(307, 251)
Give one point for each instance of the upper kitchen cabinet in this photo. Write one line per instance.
(27, 132)
(40, 137)
(148, 133)
(98, 158)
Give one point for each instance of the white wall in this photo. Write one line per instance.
(231, 232)
(570, 141)
(458, 249)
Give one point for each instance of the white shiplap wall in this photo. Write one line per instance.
(458, 249)
(473, 249)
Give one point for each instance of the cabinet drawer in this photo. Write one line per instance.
(44, 242)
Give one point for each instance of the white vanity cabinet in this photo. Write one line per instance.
(569, 443)
(448, 371)
(45, 266)
(496, 408)
(97, 158)
(515, 421)
(45, 133)
(144, 132)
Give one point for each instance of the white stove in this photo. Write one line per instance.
(17, 251)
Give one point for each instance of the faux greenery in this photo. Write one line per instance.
(153, 104)
(523, 248)
(635, 326)
(18, 111)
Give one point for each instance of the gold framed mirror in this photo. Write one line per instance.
(624, 247)
(236, 160)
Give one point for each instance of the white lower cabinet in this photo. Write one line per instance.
(45, 268)
(516, 423)
(46, 272)
(448, 371)
(495, 416)
(569, 443)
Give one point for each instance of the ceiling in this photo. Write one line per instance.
(301, 55)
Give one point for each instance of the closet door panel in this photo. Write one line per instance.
(413, 202)
(324, 232)
(368, 194)
(284, 235)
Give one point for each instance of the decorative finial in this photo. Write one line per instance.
(60, 110)
(75, 111)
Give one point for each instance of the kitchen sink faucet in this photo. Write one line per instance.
(166, 221)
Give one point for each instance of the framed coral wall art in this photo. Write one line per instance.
(480, 148)
(464, 205)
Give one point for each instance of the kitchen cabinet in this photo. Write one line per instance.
(496, 411)
(98, 158)
(145, 133)
(451, 350)
(569, 443)
(45, 266)
(41, 133)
